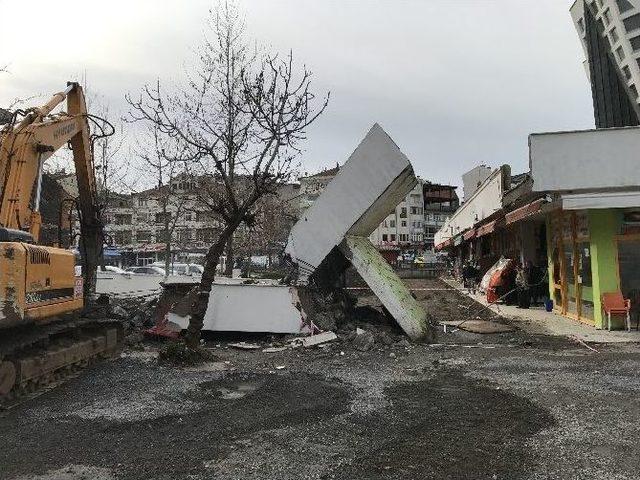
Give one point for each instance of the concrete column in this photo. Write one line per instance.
(603, 226)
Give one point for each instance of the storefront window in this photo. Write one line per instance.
(571, 259)
(584, 263)
(629, 267)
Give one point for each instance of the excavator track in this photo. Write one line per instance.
(33, 359)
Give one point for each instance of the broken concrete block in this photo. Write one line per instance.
(364, 341)
(371, 184)
(386, 285)
(375, 179)
(260, 308)
(318, 339)
(245, 346)
(274, 349)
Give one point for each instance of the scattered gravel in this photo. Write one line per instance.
(512, 407)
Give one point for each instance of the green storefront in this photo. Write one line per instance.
(592, 252)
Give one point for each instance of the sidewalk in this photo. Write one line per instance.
(537, 321)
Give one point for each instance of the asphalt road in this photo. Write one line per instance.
(502, 406)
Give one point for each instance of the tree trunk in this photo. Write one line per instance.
(228, 269)
(167, 259)
(167, 248)
(199, 305)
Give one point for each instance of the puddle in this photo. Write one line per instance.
(242, 390)
(232, 390)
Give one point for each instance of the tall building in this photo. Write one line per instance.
(610, 35)
(404, 227)
(440, 202)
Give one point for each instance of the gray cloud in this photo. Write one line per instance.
(454, 82)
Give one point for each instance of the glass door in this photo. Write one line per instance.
(629, 271)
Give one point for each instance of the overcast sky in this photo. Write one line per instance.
(455, 83)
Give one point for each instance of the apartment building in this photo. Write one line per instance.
(404, 227)
(440, 202)
(610, 34)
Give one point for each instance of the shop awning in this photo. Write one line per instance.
(486, 228)
(469, 234)
(443, 245)
(524, 212)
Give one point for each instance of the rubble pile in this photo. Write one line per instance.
(135, 313)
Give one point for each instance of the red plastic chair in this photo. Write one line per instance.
(615, 303)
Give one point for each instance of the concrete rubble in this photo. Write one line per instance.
(330, 237)
(333, 232)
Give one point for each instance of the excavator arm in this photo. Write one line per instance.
(23, 150)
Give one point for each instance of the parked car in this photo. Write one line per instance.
(148, 270)
(182, 268)
(112, 269)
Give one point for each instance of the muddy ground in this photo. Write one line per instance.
(499, 406)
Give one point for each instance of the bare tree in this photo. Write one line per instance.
(243, 115)
(165, 159)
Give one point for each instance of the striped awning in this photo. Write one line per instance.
(524, 212)
(443, 245)
(486, 228)
(469, 234)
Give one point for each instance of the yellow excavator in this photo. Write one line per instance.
(42, 331)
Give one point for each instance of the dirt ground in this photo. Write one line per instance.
(499, 406)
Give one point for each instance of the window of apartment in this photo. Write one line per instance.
(627, 72)
(581, 24)
(143, 236)
(393, 237)
(635, 43)
(624, 5)
(606, 15)
(161, 236)
(403, 212)
(404, 237)
(638, 62)
(184, 235)
(632, 22)
(384, 237)
(614, 35)
(142, 202)
(413, 210)
(160, 217)
(188, 216)
(123, 219)
(122, 238)
(601, 28)
(403, 223)
(205, 234)
(634, 90)
(620, 53)
(392, 223)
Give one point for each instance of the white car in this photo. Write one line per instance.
(148, 270)
(112, 269)
(182, 268)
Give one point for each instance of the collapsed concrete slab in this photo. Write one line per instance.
(237, 307)
(386, 285)
(373, 181)
(332, 233)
